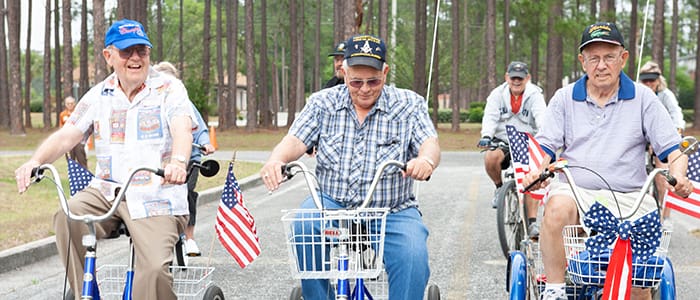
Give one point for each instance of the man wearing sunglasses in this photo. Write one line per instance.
(519, 103)
(140, 118)
(356, 127)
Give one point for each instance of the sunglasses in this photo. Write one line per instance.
(372, 82)
(142, 52)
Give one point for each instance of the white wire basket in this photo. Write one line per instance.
(188, 282)
(359, 233)
(584, 268)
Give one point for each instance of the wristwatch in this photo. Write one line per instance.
(179, 158)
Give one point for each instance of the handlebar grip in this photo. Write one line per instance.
(37, 172)
(546, 174)
(160, 172)
(199, 146)
(670, 179)
(287, 171)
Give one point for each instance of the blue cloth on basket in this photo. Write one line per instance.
(585, 268)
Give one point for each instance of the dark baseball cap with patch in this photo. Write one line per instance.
(517, 69)
(601, 32)
(338, 50)
(365, 50)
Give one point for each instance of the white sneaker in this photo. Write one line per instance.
(191, 248)
(554, 294)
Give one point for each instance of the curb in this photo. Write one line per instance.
(13, 258)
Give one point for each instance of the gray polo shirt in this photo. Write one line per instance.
(610, 140)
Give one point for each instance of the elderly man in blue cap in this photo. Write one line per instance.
(356, 127)
(139, 118)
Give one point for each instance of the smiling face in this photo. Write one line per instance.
(603, 62)
(365, 84)
(131, 64)
(517, 84)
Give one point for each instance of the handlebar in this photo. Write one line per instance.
(312, 183)
(38, 174)
(500, 144)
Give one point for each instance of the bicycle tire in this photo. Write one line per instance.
(433, 292)
(213, 292)
(296, 294)
(508, 219)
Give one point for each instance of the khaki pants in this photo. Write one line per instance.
(154, 239)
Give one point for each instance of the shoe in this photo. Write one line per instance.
(533, 230)
(191, 248)
(554, 294)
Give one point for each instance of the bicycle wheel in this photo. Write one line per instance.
(509, 222)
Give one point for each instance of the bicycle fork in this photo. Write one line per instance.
(90, 289)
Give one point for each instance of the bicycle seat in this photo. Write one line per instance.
(121, 229)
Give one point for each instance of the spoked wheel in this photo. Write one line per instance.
(296, 294)
(510, 224)
(667, 287)
(213, 293)
(69, 295)
(433, 292)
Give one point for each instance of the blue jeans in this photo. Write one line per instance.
(405, 255)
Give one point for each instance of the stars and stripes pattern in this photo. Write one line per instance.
(78, 177)
(235, 226)
(691, 205)
(526, 155)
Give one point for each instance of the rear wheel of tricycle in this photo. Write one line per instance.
(296, 294)
(433, 292)
(509, 222)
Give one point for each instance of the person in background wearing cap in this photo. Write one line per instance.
(357, 127)
(519, 103)
(603, 122)
(140, 118)
(338, 56)
(650, 75)
(78, 152)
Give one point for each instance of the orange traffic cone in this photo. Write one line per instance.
(212, 137)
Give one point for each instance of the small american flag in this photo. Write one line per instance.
(235, 227)
(691, 205)
(526, 155)
(78, 177)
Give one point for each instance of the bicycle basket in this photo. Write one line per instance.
(356, 234)
(587, 269)
(188, 282)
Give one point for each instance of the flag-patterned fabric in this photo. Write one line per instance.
(78, 177)
(235, 226)
(691, 205)
(526, 155)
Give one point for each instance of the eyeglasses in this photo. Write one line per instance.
(372, 82)
(608, 59)
(142, 51)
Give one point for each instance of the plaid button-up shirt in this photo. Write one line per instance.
(349, 152)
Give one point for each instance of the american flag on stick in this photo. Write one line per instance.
(526, 155)
(691, 205)
(235, 227)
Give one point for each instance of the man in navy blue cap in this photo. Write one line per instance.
(603, 122)
(356, 127)
(139, 118)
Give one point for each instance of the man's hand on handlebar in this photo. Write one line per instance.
(484, 142)
(175, 172)
(271, 174)
(683, 187)
(419, 168)
(23, 175)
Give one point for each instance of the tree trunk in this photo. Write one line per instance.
(673, 51)
(607, 10)
(490, 44)
(98, 28)
(657, 45)
(4, 89)
(506, 32)
(84, 84)
(251, 115)
(265, 114)
(315, 72)
(454, 83)
(13, 28)
(631, 41)
(555, 47)
(696, 113)
(206, 57)
(67, 67)
(229, 111)
(294, 59)
(28, 70)
(159, 30)
(219, 54)
(384, 19)
(435, 78)
(57, 64)
(300, 65)
(419, 52)
(47, 67)
(181, 42)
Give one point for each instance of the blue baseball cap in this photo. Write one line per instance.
(366, 50)
(126, 33)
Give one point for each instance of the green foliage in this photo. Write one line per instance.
(36, 106)
(685, 90)
(197, 94)
(445, 115)
(689, 115)
(476, 114)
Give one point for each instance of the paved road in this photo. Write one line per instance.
(466, 261)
